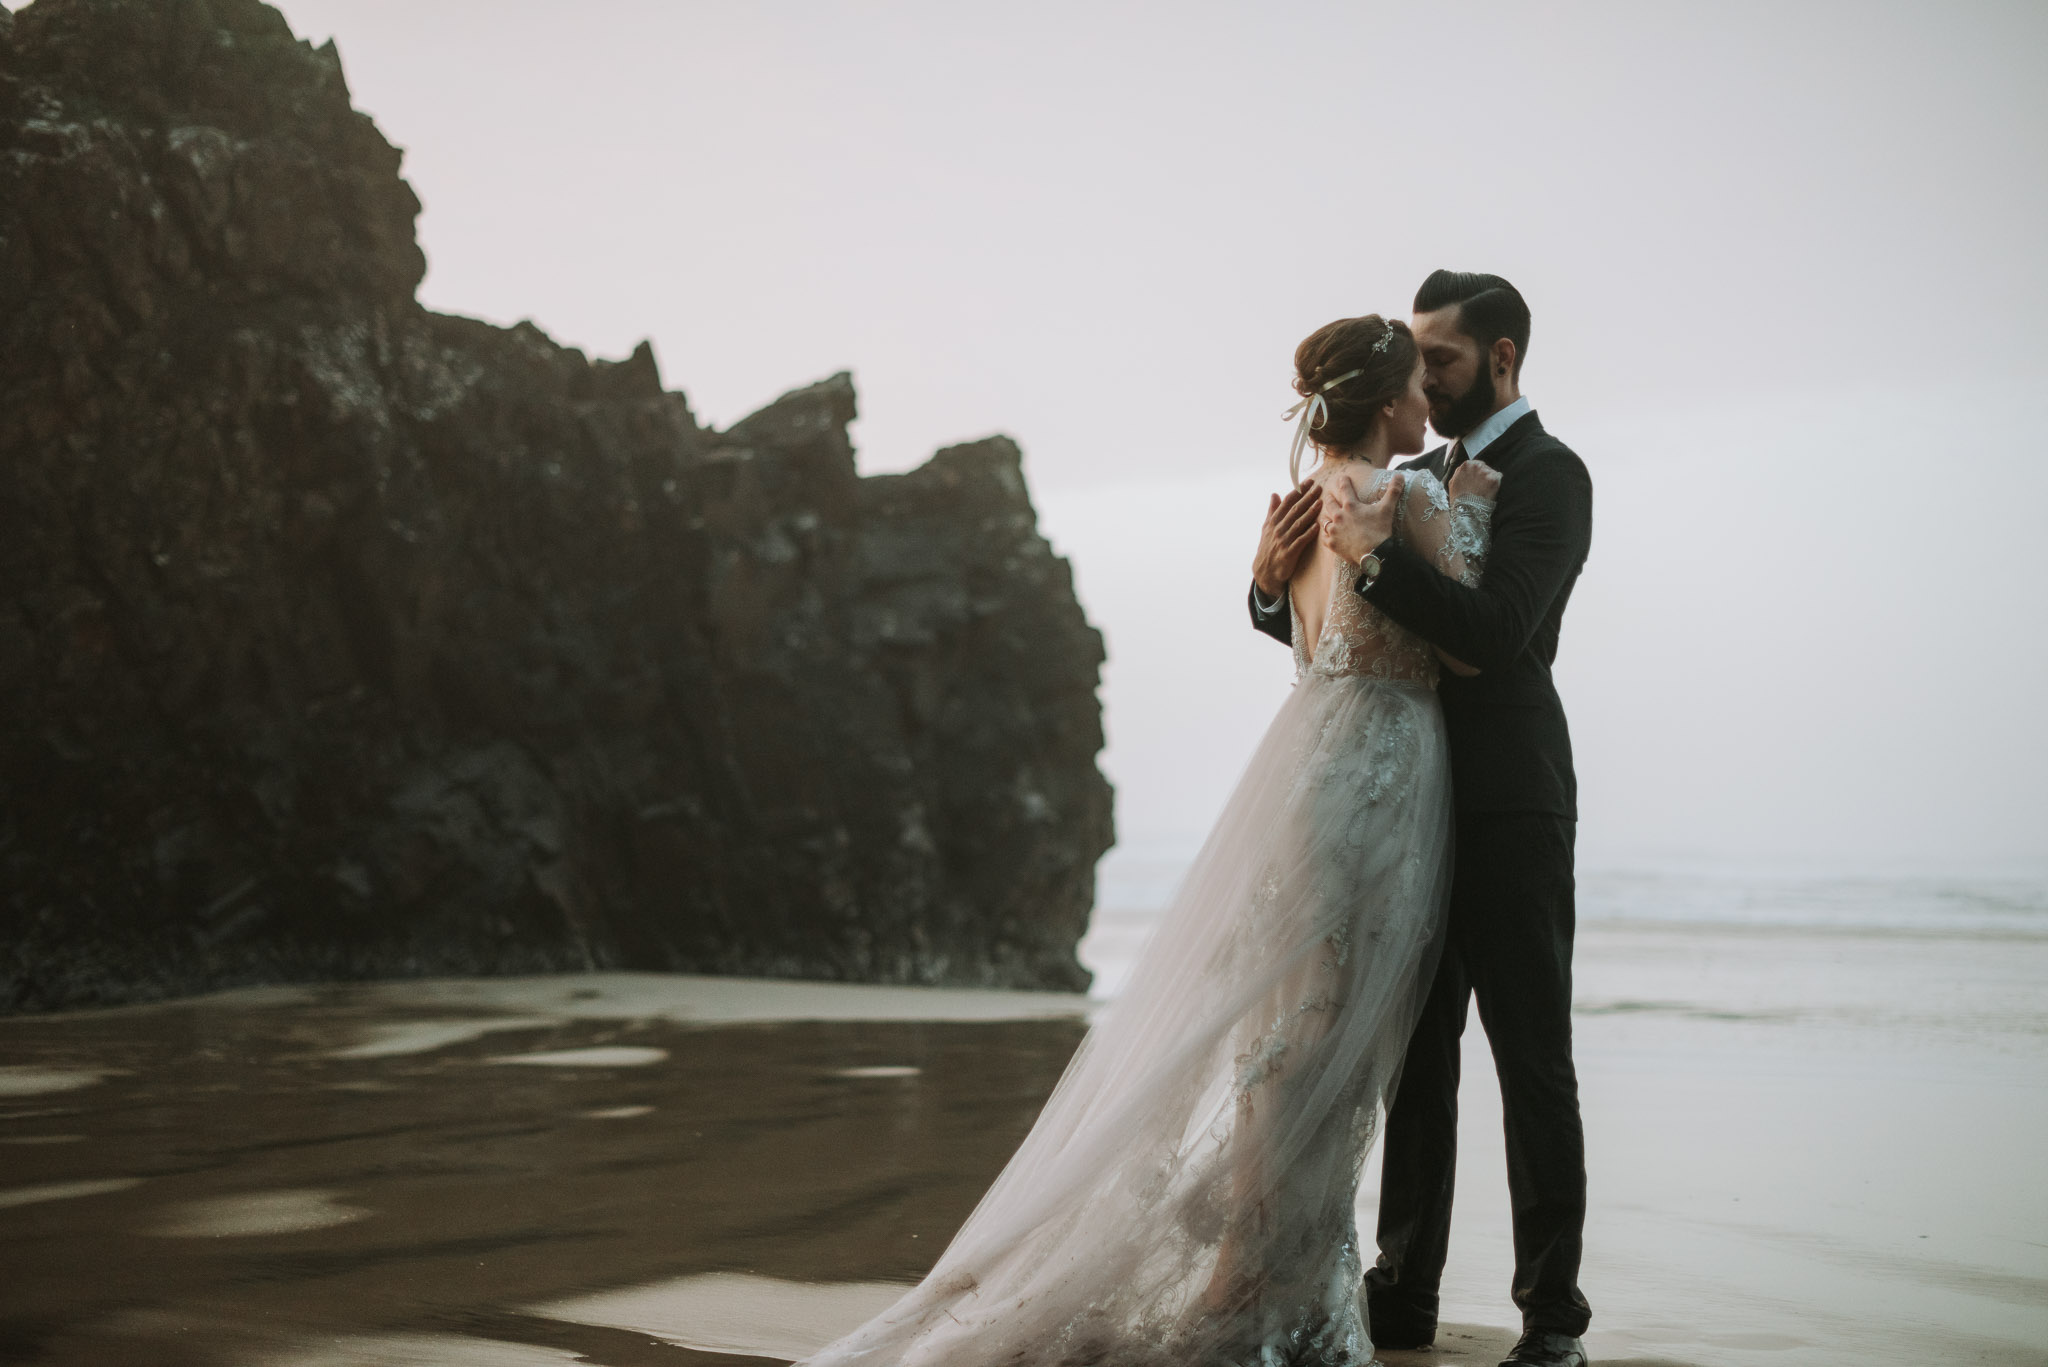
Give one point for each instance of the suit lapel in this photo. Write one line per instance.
(1504, 448)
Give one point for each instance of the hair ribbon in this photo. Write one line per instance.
(1314, 411)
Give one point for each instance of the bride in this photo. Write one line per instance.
(1186, 1195)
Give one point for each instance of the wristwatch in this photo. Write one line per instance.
(1368, 570)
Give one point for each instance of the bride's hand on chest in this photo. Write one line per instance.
(1475, 479)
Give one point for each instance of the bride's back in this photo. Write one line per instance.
(1336, 631)
(1317, 573)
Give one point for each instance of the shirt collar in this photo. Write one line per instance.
(1484, 435)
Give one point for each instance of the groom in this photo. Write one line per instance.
(1511, 916)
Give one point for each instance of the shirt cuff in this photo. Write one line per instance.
(1264, 608)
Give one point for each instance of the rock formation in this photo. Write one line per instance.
(341, 638)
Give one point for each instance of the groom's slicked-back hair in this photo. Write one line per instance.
(1489, 308)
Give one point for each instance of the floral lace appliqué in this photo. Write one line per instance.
(1358, 639)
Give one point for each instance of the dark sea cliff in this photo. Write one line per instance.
(343, 639)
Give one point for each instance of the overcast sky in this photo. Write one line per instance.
(1785, 263)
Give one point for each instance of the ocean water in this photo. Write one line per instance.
(1135, 883)
(1930, 903)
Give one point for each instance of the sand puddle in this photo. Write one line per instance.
(687, 999)
(64, 1191)
(724, 1312)
(256, 1213)
(415, 1350)
(28, 1080)
(41, 1138)
(601, 1056)
(399, 1038)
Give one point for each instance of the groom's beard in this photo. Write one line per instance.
(1468, 410)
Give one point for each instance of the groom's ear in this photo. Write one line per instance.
(1501, 356)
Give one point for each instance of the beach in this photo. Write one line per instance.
(1808, 1144)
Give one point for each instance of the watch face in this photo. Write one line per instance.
(1371, 565)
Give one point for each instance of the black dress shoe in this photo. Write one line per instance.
(1546, 1348)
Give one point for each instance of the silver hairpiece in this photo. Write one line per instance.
(1386, 339)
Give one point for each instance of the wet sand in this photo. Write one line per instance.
(1806, 1149)
(299, 1169)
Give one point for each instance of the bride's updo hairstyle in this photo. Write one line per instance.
(1381, 350)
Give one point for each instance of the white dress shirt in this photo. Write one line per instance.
(1488, 432)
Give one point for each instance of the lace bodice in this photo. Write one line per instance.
(1358, 639)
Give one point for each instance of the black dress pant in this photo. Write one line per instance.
(1510, 948)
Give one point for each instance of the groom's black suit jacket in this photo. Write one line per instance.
(1510, 748)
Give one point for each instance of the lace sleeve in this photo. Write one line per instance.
(1471, 536)
(1453, 536)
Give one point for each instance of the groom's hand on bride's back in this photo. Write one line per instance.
(1352, 526)
(1288, 532)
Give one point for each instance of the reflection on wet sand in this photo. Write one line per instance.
(257, 1186)
(20, 1080)
(423, 1037)
(421, 1350)
(40, 1138)
(614, 1056)
(64, 1191)
(261, 1212)
(723, 1312)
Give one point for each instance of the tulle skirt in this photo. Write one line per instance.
(1186, 1196)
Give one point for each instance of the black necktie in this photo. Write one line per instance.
(1453, 461)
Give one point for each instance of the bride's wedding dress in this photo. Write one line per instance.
(1186, 1195)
